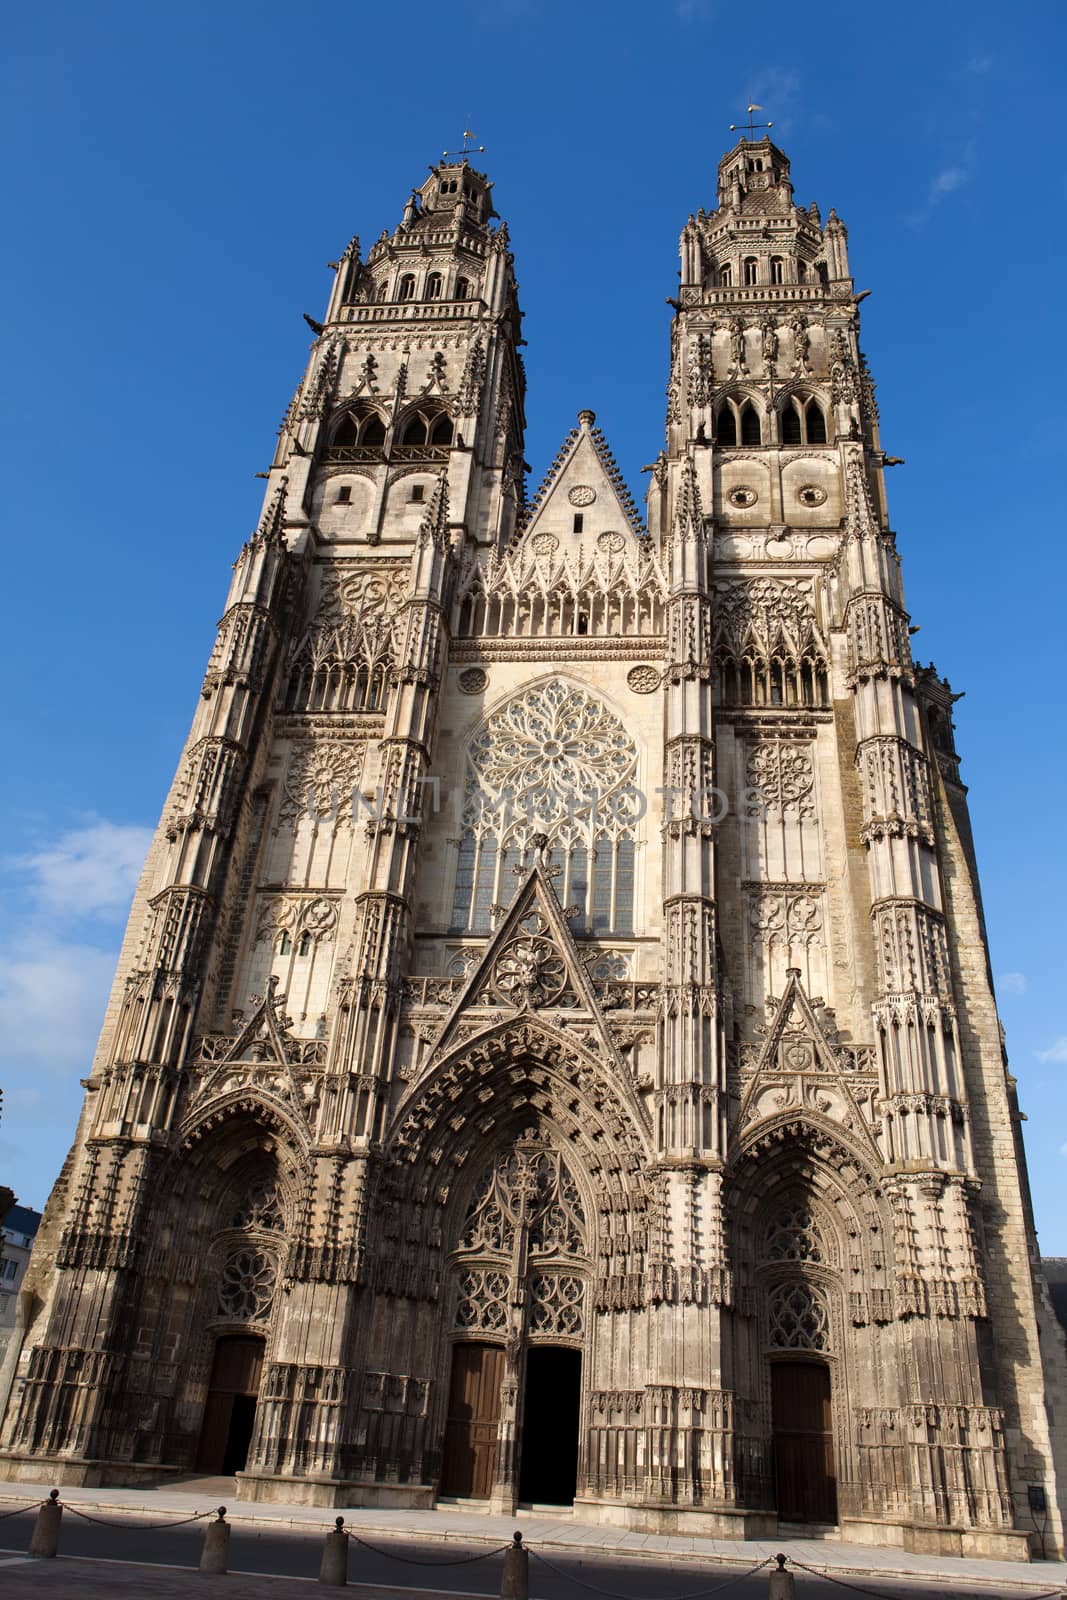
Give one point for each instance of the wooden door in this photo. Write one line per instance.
(473, 1417)
(230, 1411)
(803, 1441)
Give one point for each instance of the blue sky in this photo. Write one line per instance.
(178, 178)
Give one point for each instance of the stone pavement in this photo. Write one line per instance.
(546, 1529)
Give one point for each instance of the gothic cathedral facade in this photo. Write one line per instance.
(553, 1056)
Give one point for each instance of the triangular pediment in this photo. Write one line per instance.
(584, 484)
(258, 1059)
(802, 1067)
(531, 964)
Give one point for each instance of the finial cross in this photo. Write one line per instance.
(468, 148)
(748, 131)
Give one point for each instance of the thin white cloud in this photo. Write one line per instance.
(89, 871)
(52, 997)
(1057, 1050)
(946, 182)
(1012, 983)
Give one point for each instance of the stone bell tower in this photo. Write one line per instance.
(875, 1219)
(553, 1054)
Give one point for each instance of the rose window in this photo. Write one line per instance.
(247, 1287)
(554, 761)
(529, 971)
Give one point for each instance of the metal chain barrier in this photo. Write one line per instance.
(416, 1561)
(612, 1594)
(19, 1511)
(147, 1527)
(881, 1594)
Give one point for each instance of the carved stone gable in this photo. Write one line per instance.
(530, 964)
(802, 1066)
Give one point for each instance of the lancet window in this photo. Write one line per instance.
(738, 422)
(802, 421)
(552, 761)
(358, 435)
(425, 435)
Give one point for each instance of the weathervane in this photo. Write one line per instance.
(468, 149)
(735, 127)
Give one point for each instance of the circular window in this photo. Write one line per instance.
(545, 544)
(247, 1286)
(742, 496)
(610, 544)
(812, 495)
(473, 680)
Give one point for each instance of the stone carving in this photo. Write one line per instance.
(482, 1304)
(543, 590)
(246, 1288)
(797, 1318)
(297, 915)
(472, 680)
(786, 916)
(583, 494)
(793, 1235)
(742, 496)
(529, 972)
(644, 679)
(320, 779)
(701, 374)
(783, 773)
(801, 345)
(533, 1188)
(260, 1208)
(737, 347)
(557, 1305)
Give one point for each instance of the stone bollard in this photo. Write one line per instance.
(216, 1544)
(783, 1585)
(44, 1540)
(515, 1578)
(334, 1569)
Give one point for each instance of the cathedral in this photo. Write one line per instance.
(553, 1057)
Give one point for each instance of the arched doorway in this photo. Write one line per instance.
(230, 1412)
(802, 1418)
(519, 1297)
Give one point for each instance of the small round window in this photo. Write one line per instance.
(743, 496)
(812, 495)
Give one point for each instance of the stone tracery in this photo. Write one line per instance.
(553, 760)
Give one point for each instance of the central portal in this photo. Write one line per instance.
(549, 1469)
